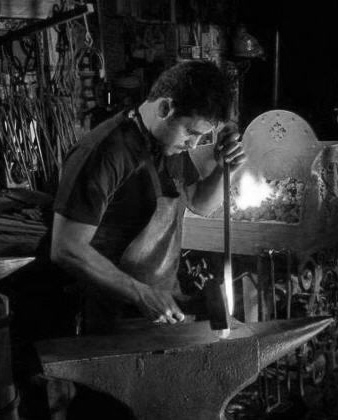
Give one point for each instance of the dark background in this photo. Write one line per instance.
(308, 61)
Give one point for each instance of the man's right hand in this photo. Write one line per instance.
(158, 305)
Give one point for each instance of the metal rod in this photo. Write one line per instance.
(102, 46)
(260, 288)
(273, 283)
(219, 292)
(276, 66)
(227, 239)
(47, 23)
(289, 285)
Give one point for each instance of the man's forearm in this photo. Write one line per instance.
(88, 264)
(207, 194)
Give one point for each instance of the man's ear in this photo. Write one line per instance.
(165, 108)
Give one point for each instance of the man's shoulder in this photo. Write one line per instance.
(116, 136)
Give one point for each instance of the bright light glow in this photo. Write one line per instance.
(229, 288)
(252, 192)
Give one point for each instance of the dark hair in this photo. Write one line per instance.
(196, 88)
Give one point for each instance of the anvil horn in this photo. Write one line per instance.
(278, 338)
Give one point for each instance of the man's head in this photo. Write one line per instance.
(189, 100)
(195, 88)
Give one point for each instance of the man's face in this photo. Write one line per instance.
(182, 133)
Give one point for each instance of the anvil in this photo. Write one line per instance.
(181, 371)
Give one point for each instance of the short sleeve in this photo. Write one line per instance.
(89, 180)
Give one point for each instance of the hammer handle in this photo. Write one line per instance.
(228, 301)
(216, 291)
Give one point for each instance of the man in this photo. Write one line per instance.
(124, 189)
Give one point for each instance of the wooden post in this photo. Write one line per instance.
(8, 395)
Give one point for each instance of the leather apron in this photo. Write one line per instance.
(153, 256)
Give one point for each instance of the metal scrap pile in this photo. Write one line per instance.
(283, 205)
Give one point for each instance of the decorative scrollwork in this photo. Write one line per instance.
(277, 131)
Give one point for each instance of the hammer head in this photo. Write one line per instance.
(217, 306)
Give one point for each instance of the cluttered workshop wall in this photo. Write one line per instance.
(57, 83)
(139, 41)
(142, 38)
(45, 92)
(60, 82)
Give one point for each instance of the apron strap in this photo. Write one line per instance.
(154, 177)
(149, 164)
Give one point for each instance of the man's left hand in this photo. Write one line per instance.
(228, 148)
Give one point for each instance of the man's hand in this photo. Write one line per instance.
(227, 147)
(158, 305)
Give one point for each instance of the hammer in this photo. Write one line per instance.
(219, 290)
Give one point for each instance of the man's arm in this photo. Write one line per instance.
(72, 250)
(206, 195)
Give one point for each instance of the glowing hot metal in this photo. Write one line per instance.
(252, 192)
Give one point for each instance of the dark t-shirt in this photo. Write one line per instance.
(105, 183)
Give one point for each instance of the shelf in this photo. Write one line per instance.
(42, 24)
(27, 9)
